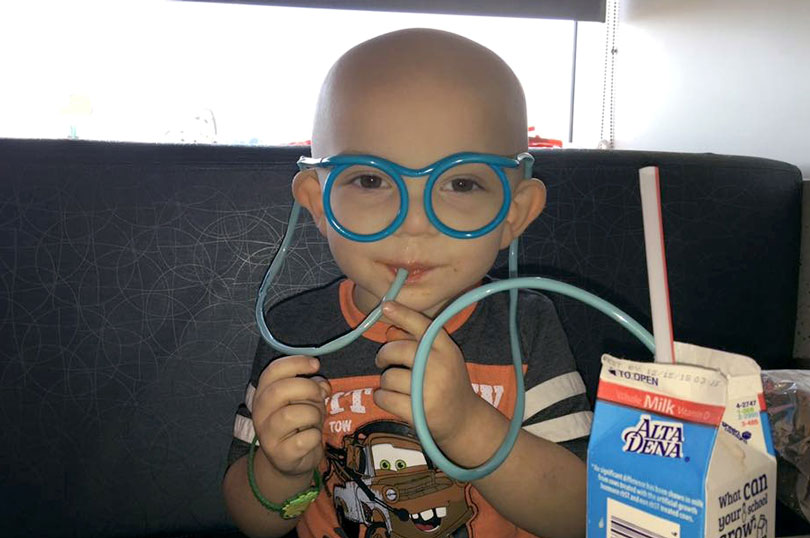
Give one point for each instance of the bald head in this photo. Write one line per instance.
(417, 95)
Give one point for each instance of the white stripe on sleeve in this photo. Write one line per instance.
(564, 428)
(249, 394)
(243, 429)
(552, 391)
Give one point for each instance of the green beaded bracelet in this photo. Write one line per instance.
(292, 507)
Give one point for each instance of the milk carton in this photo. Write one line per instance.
(681, 450)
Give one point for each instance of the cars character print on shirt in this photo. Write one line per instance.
(385, 487)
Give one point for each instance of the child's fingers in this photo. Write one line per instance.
(413, 322)
(322, 382)
(297, 447)
(286, 392)
(406, 319)
(398, 353)
(394, 333)
(290, 366)
(396, 380)
(395, 403)
(292, 419)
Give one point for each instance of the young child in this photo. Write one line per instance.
(414, 97)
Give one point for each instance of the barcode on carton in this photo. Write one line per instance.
(625, 521)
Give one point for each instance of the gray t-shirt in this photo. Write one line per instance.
(357, 432)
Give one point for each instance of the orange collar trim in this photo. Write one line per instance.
(385, 332)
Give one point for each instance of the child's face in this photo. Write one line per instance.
(414, 121)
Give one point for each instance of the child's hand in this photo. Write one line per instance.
(448, 394)
(288, 414)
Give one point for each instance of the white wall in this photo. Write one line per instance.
(721, 76)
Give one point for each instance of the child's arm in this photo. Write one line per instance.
(288, 413)
(541, 485)
(250, 516)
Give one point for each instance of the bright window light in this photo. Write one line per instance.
(188, 72)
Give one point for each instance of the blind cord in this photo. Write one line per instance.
(607, 134)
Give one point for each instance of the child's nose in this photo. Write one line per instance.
(416, 221)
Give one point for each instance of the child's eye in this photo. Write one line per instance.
(462, 184)
(370, 181)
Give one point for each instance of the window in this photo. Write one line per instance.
(188, 72)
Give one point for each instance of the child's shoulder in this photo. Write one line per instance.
(535, 315)
(313, 313)
(312, 297)
(535, 300)
(532, 303)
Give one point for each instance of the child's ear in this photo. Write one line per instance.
(528, 201)
(306, 190)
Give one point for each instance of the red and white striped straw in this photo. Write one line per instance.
(656, 263)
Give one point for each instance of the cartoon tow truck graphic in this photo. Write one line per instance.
(385, 482)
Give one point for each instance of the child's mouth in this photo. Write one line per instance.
(416, 272)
